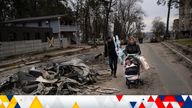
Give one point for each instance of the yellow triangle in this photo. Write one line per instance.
(4, 98)
(2, 106)
(12, 103)
(36, 103)
(76, 105)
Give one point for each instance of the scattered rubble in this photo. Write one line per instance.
(65, 78)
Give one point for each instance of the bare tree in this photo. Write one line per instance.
(158, 27)
(130, 15)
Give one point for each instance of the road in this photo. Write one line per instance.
(167, 74)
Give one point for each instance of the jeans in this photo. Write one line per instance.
(113, 65)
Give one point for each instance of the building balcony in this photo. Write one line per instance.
(69, 28)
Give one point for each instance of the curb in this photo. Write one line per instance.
(178, 53)
(185, 49)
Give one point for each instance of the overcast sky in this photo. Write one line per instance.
(152, 10)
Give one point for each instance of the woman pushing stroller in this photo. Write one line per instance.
(132, 47)
(132, 63)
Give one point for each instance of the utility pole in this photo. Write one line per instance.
(167, 35)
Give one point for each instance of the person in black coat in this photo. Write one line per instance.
(132, 47)
(111, 53)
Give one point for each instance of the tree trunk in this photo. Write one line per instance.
(106, 26)
(86, 25)
(107, 20)
(167, 35)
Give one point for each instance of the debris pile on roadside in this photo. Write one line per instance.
(65, 78)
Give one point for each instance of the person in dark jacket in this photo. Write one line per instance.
(132, 47)
(111, 53)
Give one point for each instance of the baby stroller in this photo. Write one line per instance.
(132, 70)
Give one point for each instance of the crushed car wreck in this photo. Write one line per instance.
(65, 78)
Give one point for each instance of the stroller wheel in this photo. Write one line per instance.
(141, 82)
(128, 84)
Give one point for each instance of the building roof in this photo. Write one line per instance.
(35, 18)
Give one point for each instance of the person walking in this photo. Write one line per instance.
(110, 51)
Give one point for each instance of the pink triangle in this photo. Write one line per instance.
(119, 97)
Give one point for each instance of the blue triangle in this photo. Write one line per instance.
(133, 104)
(187, 103)
(161, 97)
(10, 97)
(179, 98)
(17, 106)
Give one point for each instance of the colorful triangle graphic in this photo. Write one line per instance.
(133, 104)
(150, 99)
(76, 105)
(142, 105)
(36, 103)
(169, 105)
(119, 97)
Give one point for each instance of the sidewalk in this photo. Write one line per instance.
(181, 46)
(180, 51)
(22, 60)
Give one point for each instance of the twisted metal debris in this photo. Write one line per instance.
(65, 78)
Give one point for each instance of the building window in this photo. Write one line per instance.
(37, 36)
(39, 24)
(26, 36)
(12, 36)
(44, 39)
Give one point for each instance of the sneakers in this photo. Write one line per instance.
(115, 76)
(111, 73)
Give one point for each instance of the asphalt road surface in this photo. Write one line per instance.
(167, 74)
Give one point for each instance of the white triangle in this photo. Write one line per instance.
(122, 104)
(175, 104)
(190, 96)
(56, 103)
(100, 100)
(115, 99)
(184, 97)
(26, 101)
(154, 106)
(149, 104)
(166, 103)
(108, 103)
(154, 97)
